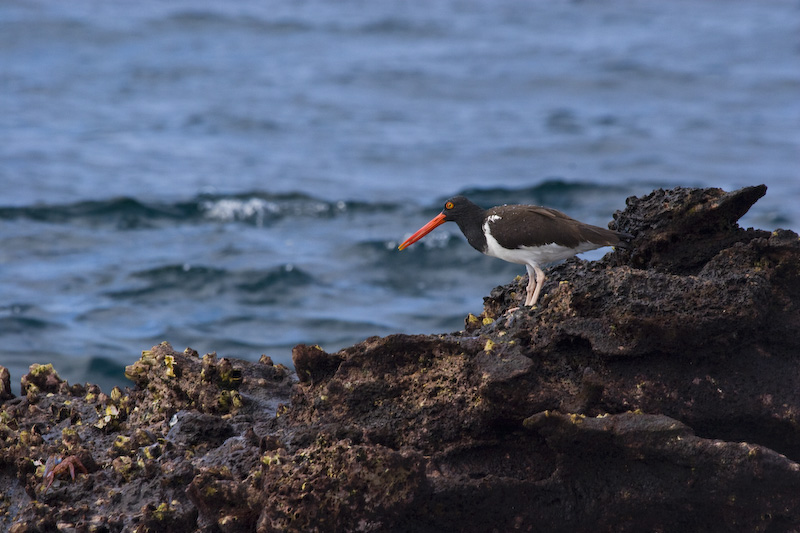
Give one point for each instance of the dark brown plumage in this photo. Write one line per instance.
(525, 234)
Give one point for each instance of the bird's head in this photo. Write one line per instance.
(455, 209)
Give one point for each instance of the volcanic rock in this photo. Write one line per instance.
(653, 390)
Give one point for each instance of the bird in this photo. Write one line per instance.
(529, 235)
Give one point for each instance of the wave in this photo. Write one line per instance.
(197, 20)
(249, 286)
(121, 212)
(258, 208)
(254, 282)
(553, 192)
(402, 27)
(24, 324)
(262, 208)
(271, 24)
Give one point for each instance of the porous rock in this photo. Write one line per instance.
(5, 384)
(653, 390)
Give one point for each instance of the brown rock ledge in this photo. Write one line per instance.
(654, 390)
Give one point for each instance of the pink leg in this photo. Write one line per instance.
(535, 281)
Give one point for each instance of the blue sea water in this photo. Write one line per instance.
(236, 176)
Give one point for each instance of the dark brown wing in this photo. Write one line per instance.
(531, 225)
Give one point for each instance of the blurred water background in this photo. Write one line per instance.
(236, 176)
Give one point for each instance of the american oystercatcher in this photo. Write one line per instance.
(528, 235)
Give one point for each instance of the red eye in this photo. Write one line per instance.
(448, 205)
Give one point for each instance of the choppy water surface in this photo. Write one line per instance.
(236, 177)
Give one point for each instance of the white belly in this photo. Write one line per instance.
(534, 255)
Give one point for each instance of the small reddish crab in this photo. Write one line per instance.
(56, 466)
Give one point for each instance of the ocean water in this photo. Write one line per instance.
(236, 177)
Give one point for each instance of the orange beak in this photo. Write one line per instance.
(437, 221)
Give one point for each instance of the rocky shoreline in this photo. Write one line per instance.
(653, 390)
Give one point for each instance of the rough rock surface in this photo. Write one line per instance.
(654, 390)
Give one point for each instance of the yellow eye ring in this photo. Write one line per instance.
(448, 205)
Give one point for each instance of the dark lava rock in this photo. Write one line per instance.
(680, 230)
(653, 390)
(312, 364)
(41, 378)
(5, 384)
(143, 448)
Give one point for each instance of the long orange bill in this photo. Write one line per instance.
(437, 221)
